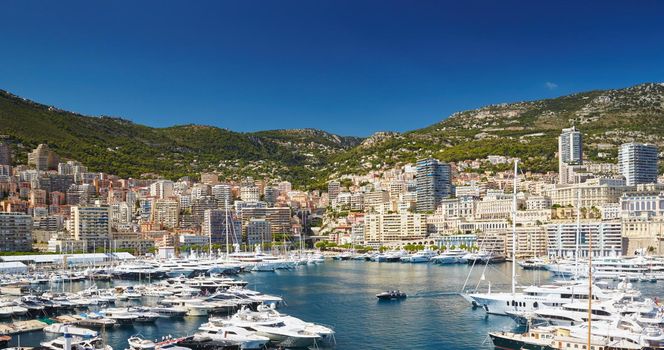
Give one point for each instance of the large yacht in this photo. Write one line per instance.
(645, 312)
(243, 337)
(453, 256)
(623, 334)
(535, 297)
(95, 343)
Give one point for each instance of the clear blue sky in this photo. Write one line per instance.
(349, 67)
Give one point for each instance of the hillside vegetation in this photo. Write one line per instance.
(308, 157)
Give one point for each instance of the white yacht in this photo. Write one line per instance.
(532, 264)
(422, 256)
(645, 312)
(95, 343)
(61, 328)
(245, 338)
(453, 256)
(119, 315)
(138, 343)
(535, 297)
(195, 307)
(282, 330)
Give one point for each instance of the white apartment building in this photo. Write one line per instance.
(638, 163)
(250, 193)
(606, 238)
(610, 211)
(162, 189)
(538, 203)
(357, 201)
(460, 207)
(223, 194)
(642, 204)
(343, 199)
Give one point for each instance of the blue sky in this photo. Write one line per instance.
(349, 67)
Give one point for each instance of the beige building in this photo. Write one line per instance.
(394, 227)
(496, 207)
(530, 242)
(592, 193)
(643, 234)
(166, 212)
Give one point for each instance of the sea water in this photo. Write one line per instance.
(341, 294)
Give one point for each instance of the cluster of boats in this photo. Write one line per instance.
(451, 256)
(637, 268)
(558, 314)
(245, 329)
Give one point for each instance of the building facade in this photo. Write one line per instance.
(606, 238)
(15, 232)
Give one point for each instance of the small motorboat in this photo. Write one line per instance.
(392, 295)
(138, 343)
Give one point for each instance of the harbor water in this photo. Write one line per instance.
(342, 294)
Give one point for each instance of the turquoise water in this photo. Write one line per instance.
(342, 294)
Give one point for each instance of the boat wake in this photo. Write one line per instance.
(433, 294)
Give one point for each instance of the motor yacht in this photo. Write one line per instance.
(138, 343)
(453, 256)
(532, 264)
(61, 328)
(120, 316)
(535, 297)
(245, 338)
(95, 343)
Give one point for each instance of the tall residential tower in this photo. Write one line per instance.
(434, 182)
(570, 152)
(638, 163)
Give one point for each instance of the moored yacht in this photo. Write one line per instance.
(245, 338)
(453, 256)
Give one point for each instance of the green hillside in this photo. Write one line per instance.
(528, 130)
(309, 157)
(127, 149)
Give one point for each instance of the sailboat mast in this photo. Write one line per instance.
(578, 229)
(226, 208)
(516, 162)
(590, 286)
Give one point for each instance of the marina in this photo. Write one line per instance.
(320, 293)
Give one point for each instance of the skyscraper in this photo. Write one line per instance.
(570, 151)
(434, 182)
(638, 163)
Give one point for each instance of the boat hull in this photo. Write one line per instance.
(507, 343)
